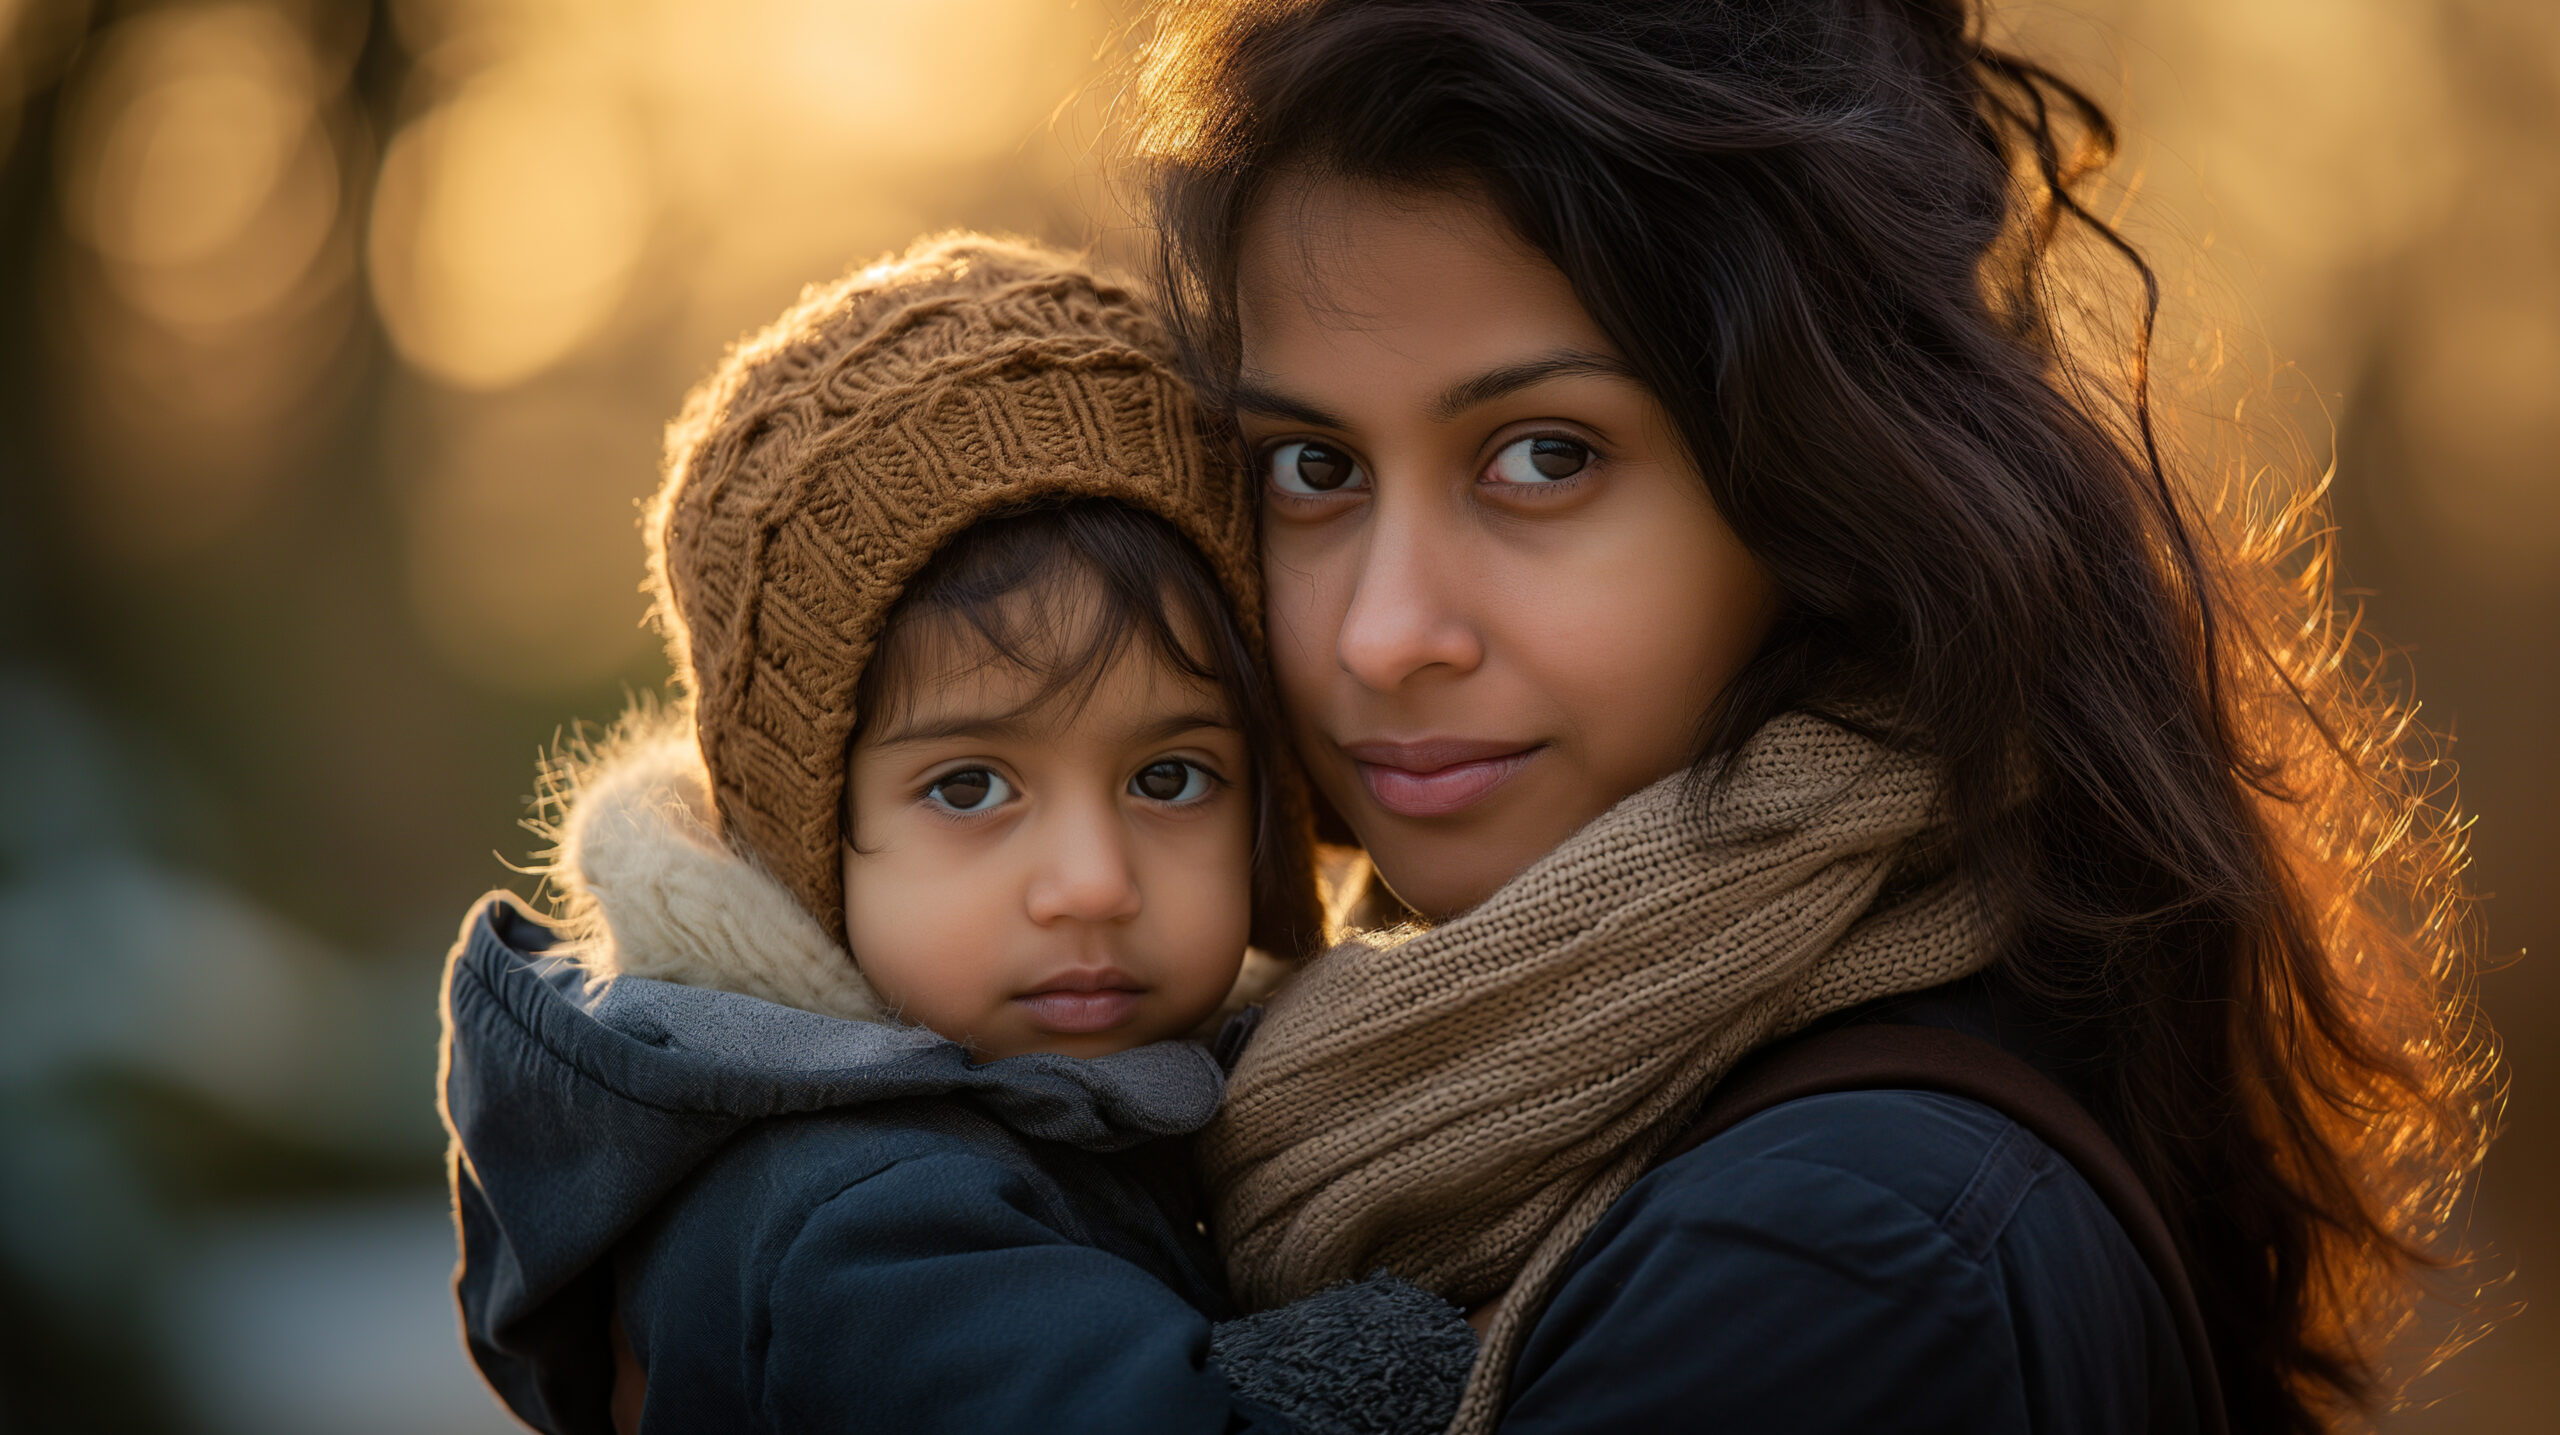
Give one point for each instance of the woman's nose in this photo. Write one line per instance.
(1401, 622)
(1085, 873)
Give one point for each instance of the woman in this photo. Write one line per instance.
(1706, 587)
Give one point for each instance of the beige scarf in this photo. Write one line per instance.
(1461, 1105)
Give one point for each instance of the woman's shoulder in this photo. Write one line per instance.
(1921, 1147)
(1859, 1260)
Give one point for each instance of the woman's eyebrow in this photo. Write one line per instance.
(1255, 393)
(1509, 379)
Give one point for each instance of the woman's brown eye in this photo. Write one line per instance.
(1533, 461)
(1557, 457)
(1309, 468)
(1170, 782)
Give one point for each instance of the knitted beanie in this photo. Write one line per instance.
(815, 473)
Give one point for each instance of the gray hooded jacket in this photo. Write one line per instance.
(691, 1113)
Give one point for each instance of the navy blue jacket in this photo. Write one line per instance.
(809, 1224)
(1865, 1261)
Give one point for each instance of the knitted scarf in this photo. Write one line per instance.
(1460, 1105)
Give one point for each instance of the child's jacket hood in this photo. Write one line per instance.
(580, 1087)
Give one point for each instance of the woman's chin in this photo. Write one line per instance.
(1441, 875)
(1442, 865)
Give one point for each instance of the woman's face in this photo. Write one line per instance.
(1500, 597)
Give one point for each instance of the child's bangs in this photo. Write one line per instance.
(1058, 594)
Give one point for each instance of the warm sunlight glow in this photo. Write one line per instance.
(196, 151)
(508, 225)
(591, 158)
(343, 342)
(201, 175)
(199, 171)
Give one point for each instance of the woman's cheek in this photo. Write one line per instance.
(1634, 639)
(1306, 598)
(1630, 633)
(1307, 593)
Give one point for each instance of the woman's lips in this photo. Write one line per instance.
(1081, 1003)
(1438, 776)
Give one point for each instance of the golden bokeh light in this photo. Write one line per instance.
(889, 84)
(590, 163)
(2320, 129)
(508, 224)
(202, 179)
(199, 115)
(198, 167)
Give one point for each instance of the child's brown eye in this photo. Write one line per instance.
(1171, 781)
(972, 790)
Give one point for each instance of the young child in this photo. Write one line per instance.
(841, 1098)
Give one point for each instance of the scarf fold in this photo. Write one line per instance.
(1460, 1105)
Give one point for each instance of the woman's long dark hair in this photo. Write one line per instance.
(1826, 234)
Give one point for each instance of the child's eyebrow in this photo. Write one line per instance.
(1016, 725)
(938, 729)
(1176, 724)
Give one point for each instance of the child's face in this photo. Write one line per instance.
(1071, 878)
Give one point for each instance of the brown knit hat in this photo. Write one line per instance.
(830, 456)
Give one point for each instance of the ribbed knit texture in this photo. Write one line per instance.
(1461, 1105)
(832, 454)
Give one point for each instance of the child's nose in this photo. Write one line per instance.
(1085, 874)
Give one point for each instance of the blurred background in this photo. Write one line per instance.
(335, 341)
